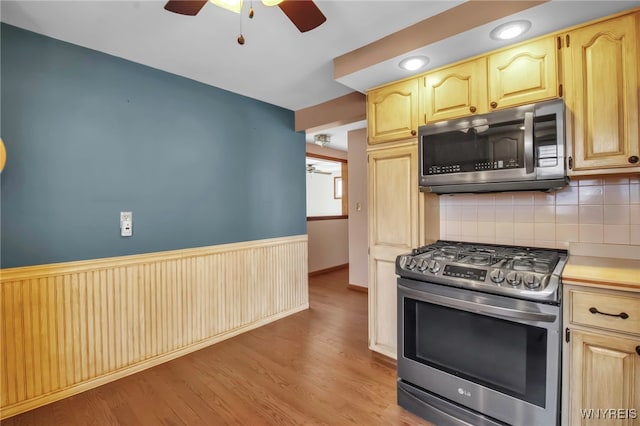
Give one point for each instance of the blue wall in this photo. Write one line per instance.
(89, 135)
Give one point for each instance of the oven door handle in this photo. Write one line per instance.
(480, 308)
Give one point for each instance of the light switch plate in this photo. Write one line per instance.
(126, 224)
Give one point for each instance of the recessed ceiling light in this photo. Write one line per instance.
(510, 30)
(413, 63)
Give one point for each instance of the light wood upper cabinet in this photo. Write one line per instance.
(392, 112)
(605, 374)
(523, 74)
(520, 75)
(454, 91)
(516, 76)
(601, 63)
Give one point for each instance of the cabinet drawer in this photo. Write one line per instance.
(591, 309)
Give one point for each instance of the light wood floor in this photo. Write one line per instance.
(310, 368)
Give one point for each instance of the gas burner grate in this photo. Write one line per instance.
(486, 250)
(523, 264)
(477, 259)
(514, 271)
(445, 255)
(515, 258)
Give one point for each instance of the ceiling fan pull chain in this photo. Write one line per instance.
(240, 37)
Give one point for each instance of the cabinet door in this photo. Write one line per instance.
(392, 112)
(604, 376)
(523, 74)
(455, 91)
(602, 95)
(393, 230)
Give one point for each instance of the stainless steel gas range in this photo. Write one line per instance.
(479, 333)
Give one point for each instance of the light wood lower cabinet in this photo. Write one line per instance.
(602, 357)
(393, 230)
(605, 380)
(400, 219)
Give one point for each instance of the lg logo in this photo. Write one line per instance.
(464, 392)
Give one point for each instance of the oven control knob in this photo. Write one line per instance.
(497, 276)
(434, 267)
(411, 263)
(423, 265)
(514, 279)
(531, 281)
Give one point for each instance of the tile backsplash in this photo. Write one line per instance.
(591, 211)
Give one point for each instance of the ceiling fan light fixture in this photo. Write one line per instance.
(271, 2)
(232, 5)
(510, 30)
(322, 139)
(413, 63)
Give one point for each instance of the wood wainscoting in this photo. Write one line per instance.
(69, 327)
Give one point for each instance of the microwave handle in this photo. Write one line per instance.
(528, 142)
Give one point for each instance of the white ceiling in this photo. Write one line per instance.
(545, 18)
(278, 64)
(338, 135)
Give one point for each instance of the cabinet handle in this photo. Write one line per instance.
(622, 315)
(413, 133)
(570, 163)
(472, 109)
(493, 104)
(633, 159)
(638, 350)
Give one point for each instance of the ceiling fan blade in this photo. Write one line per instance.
(303, 13)
(185, 7)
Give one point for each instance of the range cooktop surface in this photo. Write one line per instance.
(515, 271)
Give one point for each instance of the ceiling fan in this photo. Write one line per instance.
(304, 14)
(311, 168)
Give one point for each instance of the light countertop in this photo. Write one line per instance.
(621, 274)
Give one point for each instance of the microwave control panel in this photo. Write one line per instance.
(490, 165)
(486, 165)
(435, 170)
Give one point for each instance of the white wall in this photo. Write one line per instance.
(320, 201)
(328, 239)
(328, 243)
(358, 223)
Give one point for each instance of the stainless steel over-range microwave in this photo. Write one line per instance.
(516, 149)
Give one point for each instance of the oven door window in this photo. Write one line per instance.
(505, 356)
(473, 149)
